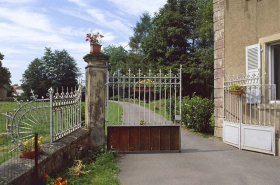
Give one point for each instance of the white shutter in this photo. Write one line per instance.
(253, 66)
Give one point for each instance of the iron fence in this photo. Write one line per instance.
(11, 165)
(52, 118)
(65, 112)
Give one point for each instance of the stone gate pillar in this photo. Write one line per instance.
(219, 65)
(95, 98)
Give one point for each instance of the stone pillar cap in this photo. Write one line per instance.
(95, 57)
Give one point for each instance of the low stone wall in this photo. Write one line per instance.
(55, 156)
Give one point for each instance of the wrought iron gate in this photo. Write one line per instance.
(143, 111)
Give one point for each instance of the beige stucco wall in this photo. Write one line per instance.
(246, 23)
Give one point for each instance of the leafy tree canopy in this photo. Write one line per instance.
(141, 31)
(5, 74)
(118, 57)
(55, 69)
(181, 33)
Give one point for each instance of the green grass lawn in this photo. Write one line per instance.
(8, 107)
(113, 118)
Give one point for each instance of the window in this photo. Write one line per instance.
(253, 65)
(274, 60)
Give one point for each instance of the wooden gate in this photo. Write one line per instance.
(144, 138)
(144, 112)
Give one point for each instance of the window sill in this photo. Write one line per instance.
(271, 105)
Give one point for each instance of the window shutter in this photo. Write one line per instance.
(253, 66)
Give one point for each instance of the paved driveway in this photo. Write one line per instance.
(133, 113)
(202, 161)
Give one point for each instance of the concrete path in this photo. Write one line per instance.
(202, 161)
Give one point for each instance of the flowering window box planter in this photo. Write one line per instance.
(237, 92)
(144, 89)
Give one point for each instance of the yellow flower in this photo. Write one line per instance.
(41, 137)
(26, 143)
(33, 138)
(19, 141)
(39, 142)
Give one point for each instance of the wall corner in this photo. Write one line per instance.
(219, 67)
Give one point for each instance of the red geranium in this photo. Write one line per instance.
(94, 38)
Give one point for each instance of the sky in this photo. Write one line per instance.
(28, 26)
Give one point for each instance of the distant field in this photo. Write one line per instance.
(8, 106)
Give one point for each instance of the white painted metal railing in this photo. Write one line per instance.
(135, 91)
(55, 116)
(65, 112)
(246, 109)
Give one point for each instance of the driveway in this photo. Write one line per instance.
(202, 161)
(133, 113)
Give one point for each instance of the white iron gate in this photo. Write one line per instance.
(250, 117)
(158, 92)
(151, 112)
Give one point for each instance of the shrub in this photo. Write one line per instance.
(8, 99)
(196, 112)
(83, 112)
(11, 99)
(115, 98)
(173, 107)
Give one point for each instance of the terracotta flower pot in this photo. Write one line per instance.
(95, 49)
(30, 154)
(27, 155)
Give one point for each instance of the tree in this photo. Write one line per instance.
(170, 41)
(181, 33)
(55, 69)
(202, 68)
(118, 57)
(141, 30)
(5, 74)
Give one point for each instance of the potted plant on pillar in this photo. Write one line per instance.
(95, 42)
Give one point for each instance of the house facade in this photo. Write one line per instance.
(247, 52)
(17, 90)
(3, 92)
